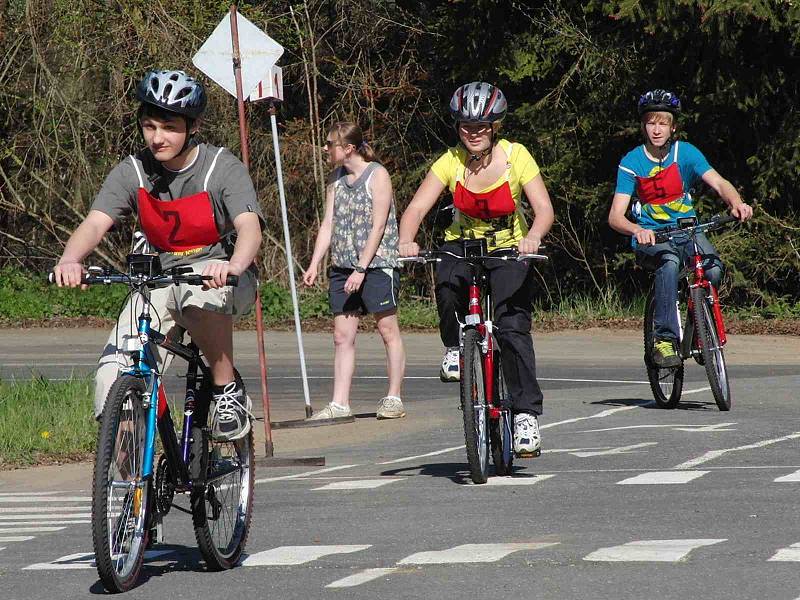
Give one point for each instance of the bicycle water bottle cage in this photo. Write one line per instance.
(684, 222)
(148, 265)
(475, 247)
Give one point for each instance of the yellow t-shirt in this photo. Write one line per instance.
(503, 232)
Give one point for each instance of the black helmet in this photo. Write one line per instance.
(659, 100)
(478, 102)
(173, 91)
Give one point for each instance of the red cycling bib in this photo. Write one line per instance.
(488, 205)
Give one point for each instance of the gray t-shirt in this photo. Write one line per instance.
(352, 223)
(215, 170)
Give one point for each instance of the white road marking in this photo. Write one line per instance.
(599, 415)
(50, 493)
(696, 391)
(436, 378)
(29, 529)
(690, 428)
(570, 450)
(61, 522)
(83, 560)
(41, 509)
(712, 454)
(650, 550)
(357, 484)
(790, 554)
(662, 478)
(30, 498)
(621, 450)
(471, 553)
(506, 481)
(16, 538)
(434, 453)
(790, 478)
(299, 475)
(297, 555)
(39, 516)
(362, 577)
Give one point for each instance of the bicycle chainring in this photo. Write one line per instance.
(165, 490)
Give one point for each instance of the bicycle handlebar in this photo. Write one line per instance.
(426, 256)
(107, 277)
(712, 224)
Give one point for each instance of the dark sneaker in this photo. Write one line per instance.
(664, 355)
(230, 417)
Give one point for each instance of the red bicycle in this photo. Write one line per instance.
(702, 336)
(488, 422)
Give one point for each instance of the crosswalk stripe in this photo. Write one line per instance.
(16, 538)
(301, 475)
(297, 555)
(40, 516)
(19, 499)
(662, 478)
(471, 553)
(790, 554)
(61, 522)
(42, 509)
(83, 560)
(362, 577)
(357, 484)
(29, 529)
(507, 481)
(791, 477)
(650, 550)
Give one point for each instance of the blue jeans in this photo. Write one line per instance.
(666, 260)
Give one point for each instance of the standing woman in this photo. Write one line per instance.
(488, 176)
(360, 228)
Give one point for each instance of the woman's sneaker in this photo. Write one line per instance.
(527, 438)
(230, 415)
(390, 407)
(332, 411)
(451, 369)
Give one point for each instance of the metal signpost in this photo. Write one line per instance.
(241, 59)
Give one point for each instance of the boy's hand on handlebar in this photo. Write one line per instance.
(219, 273)
(742, 211)
(69, 275)
(409, 249)
(529, 244)
(646, 237)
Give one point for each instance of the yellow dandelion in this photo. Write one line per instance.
(45, 435)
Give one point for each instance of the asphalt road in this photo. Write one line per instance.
(628, 501)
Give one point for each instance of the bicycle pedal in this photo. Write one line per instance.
(534, 454)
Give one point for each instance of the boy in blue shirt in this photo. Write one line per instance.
(660, 174)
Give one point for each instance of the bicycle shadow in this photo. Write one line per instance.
(458, 473)
(691, 405)
(176, 559)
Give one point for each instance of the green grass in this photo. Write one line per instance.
(45, 421)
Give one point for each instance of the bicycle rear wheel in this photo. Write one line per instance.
(665, 383)
(473, 406)
(500, 430)
(120, 495)
(710, 348)
(222, 499)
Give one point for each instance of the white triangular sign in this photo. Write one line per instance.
(258, 52)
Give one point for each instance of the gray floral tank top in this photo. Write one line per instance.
(352, 223)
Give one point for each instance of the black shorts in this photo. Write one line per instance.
(378, 293)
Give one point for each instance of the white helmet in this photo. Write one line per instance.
(478, 102)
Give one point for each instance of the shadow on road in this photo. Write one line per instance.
(694, 405)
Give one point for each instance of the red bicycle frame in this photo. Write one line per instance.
(699, 280)
(474, 311)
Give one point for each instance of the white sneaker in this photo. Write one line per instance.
(527, 438)
(451, 370)
(390, 407)
(331, 411)
(230, 416)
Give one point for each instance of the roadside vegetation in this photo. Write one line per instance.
(45, 422)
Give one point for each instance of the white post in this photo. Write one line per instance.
(290, 260)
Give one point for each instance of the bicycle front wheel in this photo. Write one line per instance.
(473, 406)
(222, 505)
(711, 349)
(121, 495)
(665, 383)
